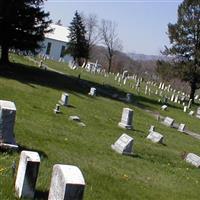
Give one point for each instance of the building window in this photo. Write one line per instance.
(48, 48)
(62, 52)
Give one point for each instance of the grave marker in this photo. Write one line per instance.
(64, 99)
(168, 121)
(155, 137)
(126, 119)
(181, 127)
(27, 174)
(198, 113)
(92, 91)
(193, 159)
(67, 183)
(123, 145)
(7, 121)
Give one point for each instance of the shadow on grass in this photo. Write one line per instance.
(42, 154)
(41, 195)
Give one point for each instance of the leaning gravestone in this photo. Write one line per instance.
(126, 119)
(155, 137)
(67, 183)
(168, 121)
(198, 112)
(64, 99)
(193, 159)
(181, 127)
(123, 145)
(7, 121)
(92, 91)
(27, 174)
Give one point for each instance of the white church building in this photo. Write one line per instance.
(55, 44)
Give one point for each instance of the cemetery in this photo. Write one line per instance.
(57, 159)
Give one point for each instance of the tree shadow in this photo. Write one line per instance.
(41, 195)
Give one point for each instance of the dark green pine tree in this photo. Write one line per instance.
(185, 43)
(22, 24)
(78, 46)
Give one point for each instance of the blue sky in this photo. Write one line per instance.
(142, 24)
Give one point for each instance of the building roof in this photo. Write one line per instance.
(59, 33)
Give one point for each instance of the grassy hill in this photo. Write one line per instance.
(154, 172)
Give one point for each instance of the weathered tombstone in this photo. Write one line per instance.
(129, 98)
(123, 145)
(198, 112)
(152, 128)
(181, 127)
(172, 97)
(92, 91)
(27, 174)
(185, 109)
(193, 159)
(64, 99)
(155, 137)
(176, 99)
(191, 113)
(168, 121)
(67, 183)
(156, 93)
(190, 103)
(57, 109)
(7, 121)
(126, 119)
(164, 107)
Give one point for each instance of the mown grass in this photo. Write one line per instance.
(154, 172)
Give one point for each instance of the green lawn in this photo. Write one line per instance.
(154, 172)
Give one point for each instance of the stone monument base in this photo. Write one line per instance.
(122, 125)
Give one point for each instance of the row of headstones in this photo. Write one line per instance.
(124, 145)
(67, 181)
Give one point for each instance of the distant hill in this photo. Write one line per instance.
(143, 57)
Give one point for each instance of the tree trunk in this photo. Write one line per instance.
(4, 54)
(109, 64)
(193, 89)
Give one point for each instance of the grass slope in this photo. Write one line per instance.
(155, 172)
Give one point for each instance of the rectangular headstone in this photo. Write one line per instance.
(7, 121)
(193, 159)
(67, 183)
(126, 119)
(155, 137)
(198, 112)
(181, 127)
(123, 145)
(64, 99)
(27, 174)
(168, 121)
(92, 91)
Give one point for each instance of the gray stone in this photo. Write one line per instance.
(155, 137)
(181, 127)
(7, 121)
(193, 159)
(198, 112)
(168, 121)
(191, 113)
(123, 145)
(27, 174)
(74, 118)
(64, 99)
(185, 109)
(67, 183)
(152, 128)
(57, 109)
(126, 119)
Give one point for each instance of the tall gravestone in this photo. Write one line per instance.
(67, 183)
(123, 145)
(7, 121)
(64, 99)
(126, 119)
(27, 174)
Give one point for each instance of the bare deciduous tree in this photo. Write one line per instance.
(110, 40)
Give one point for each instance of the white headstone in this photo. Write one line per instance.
(176, 99)
(185, 109)
(190, 103)
(198, 112)
(191, 113)
(64, 99)
(57, 109)
(67, 183)
(92, 91)
(126, 119)
(123, 145)
(172, 97)
(164, 107)
(181, 127)
(152, 128)
(7, 121)
(27, 174)
(168, 121)
(155, 137)
(193, 159)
